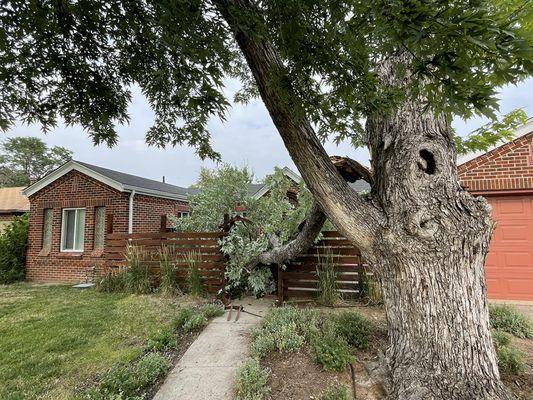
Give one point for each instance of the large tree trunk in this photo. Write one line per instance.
(429, 256)
(422, 233)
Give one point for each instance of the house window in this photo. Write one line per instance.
(73, 229)
(48, 214)
(183, 214)
(99, 227)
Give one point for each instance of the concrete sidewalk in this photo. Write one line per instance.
(207, 369)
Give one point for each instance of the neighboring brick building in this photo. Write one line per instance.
(72, 208)
(504, 176)
(12, 204)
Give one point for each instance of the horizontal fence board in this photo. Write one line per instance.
(183, 235)
(158, 242)
(304, 267)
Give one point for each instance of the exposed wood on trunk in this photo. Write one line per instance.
(351, 170)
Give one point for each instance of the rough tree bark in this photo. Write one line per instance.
(422, 233)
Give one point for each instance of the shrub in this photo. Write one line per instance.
(194, 278)
(137, 278)
(195, 323)
(285, 329)
(212, 310)
(127, 382)
(506, 318)
(183, 316)
(335, 391)
(328, 290)
(353, 327)
(332, 352)
(500, 338)
(161, 340)
(169, 277)
(251, 382)
(13, 243)
(510, 359)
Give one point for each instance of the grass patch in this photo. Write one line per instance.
(251, 382)
(506, 318)
(55, 338)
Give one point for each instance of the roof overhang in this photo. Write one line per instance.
(75, 166)
(289, 173)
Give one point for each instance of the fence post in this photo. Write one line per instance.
(280, 285)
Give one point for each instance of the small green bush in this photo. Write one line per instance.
(127, 382)
(284, 329)
(332, 352)
(162, 340)
(183, 316)
(353, 327)
(13, 243)
(500, 338)
(212, 310)
(195, 323)
(506, 318)
(251, 382)
(510, 359)
(335, 391)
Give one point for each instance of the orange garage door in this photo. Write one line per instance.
(509, 265)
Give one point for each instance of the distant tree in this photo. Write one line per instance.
(26, 159)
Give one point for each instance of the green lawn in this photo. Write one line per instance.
(54, 338)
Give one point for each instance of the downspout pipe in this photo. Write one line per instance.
(130, 214)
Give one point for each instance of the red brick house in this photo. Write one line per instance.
(504, 175)
(12, 204)
(72, 208)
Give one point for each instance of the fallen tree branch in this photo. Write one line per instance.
(299, 245)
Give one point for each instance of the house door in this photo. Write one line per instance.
(509, 265)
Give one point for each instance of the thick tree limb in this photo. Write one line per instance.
(351, 170)
(356, 218)
(280, 254)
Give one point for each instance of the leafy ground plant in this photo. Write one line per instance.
(251, 382)
(335, 391)
(353, 327)
(127, 382)
(506, 318)
(332, 351)
(510, 359)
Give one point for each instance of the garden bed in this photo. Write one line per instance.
(296, 375)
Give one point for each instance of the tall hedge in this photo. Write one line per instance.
(13, 244)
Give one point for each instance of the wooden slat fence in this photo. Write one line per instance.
(300, 278)
(181, 244)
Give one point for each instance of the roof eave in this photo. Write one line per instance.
(155, 193)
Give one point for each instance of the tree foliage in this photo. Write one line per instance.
(273, 219)
(77, 60)
(26, 159)
(13, 244)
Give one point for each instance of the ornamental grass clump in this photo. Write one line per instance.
(194, 277)
(328, 288)
(137, 279)
(169, 276)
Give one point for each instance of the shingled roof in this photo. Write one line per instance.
(13, 201)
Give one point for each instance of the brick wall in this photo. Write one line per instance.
(76, 190)
(508, 167)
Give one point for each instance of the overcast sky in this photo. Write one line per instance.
(248, 137)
